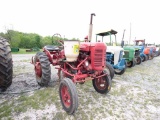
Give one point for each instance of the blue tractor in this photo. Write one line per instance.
(146, 53)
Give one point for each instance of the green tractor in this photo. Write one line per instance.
(6, 66)
(131, 55)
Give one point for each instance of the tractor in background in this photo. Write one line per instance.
(154, 49)
(76, 62)
(114, 54)
(131, 54)
(146, 53)
(6, 65)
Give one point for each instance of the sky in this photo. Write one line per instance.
(71, 18)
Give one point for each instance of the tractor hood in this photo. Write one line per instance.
(114, 49)
(129, 48)
(141, 48)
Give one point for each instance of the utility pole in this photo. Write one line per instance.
(130, 34)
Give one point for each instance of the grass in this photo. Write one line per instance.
(23, 51)
(39, 100)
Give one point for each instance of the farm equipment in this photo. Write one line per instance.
(6, 66)
(114, 54)
(146, 53)
(131, 54)
(76, 62)
(154, 49)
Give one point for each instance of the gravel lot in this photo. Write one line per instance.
(135, 95)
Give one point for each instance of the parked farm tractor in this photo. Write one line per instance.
(114, 54)
(131, 54)
(6, 66)
(76, 62)
(146, 53)
(154, 49)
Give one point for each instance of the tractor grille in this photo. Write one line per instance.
(98, 57)
(126, 54)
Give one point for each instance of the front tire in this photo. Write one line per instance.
(68, 95)
(151, 56)
(42, 69)
(131, 64)
(144, 58)
(110, 70)
(138, 60)
(103, 84)
(6, 65)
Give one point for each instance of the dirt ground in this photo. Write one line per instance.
(135, 95)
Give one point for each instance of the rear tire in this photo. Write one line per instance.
(6, 65)
(110, 70)
(103, 84)
(42, 69)
(68, 95)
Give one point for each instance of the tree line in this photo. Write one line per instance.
(30, 40)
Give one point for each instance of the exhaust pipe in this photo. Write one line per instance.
(91, 27)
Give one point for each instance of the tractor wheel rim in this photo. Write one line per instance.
(128, 63)
(38, 69)
(65, 96)
(101, 83)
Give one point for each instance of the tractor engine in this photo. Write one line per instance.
(95, 55)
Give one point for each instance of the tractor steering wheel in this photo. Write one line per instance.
(59, 41)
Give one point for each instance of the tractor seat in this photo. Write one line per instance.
(51, 47)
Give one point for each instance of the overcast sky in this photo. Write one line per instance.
(71, 18)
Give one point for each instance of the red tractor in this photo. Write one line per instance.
(77, 62)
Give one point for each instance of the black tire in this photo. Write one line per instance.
(106, 81)
(151, 56)
(144, 58)
(138, 60)
(44, 78)
(67, 89)
(110, 70)
(131, 64)
(6, 65)
(147, 57)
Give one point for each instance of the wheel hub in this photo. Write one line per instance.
(65, 96)
(101, 84)
(38, 69)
